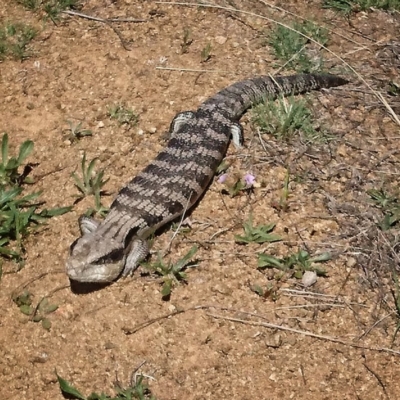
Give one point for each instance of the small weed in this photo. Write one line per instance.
(296, 263)
(18, 214)
(14, 40)
(223, 167)
(39, 312)
(91, 184)
(394, 89)
(271, 291)
(236, 184)
(283, 203)
(18, 217)
(75, 131)
(339, 5)
(284, 118)
(30, 4)
(170, 272)
(206, 53)
(136, 391)
(291, 47)
(349, 6)
(235, 188)
(186, 41)
(257, 234)
(389, 205)
(53, 8)
(123, 115)
(9, 166)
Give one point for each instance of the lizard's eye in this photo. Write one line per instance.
(112, 257)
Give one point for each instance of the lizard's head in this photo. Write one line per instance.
(94, 259)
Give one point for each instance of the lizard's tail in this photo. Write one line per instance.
(234, 100)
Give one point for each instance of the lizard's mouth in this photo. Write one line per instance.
(94, 273)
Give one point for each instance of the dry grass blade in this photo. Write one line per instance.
(306, 333)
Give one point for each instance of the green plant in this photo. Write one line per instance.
(236, 184)
(394, 89)
(283, 203)
(186, 41)
(171, 273)
(53, 8)
(18, 217)
(37, 313)
(285, 117)
(9, 166)
(30, 4)
(137, 390)
(291, 46)
(75, 131)
(19, 214)
(91, 184)
(257, 234)
(14, 40)
(339, 5)
(389, 205)
(206, 53)
(271, 291)
(296, 263)
(123, 115)
(348, 6)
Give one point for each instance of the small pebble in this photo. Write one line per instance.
(220, 39)
(309, 278)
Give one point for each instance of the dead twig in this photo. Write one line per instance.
(107, 21)
(378, 378)
(104, 20)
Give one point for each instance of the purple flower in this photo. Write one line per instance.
(249, 180)
(222, 178)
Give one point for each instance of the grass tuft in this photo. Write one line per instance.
(349, 6)
(52, 8)
(286, 117)
(292, 48)
(14, 40)
(390, 206)
(91, 183)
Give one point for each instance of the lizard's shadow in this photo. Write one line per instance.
(86, 287)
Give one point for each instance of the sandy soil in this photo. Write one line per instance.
(78, 69)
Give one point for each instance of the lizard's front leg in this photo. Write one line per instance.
(139, 249)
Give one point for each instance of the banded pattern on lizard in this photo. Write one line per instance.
(176, 178)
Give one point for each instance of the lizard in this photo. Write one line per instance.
(175, 180)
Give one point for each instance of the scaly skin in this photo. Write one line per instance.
(176, 178)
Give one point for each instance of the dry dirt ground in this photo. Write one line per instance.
(334, 340)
